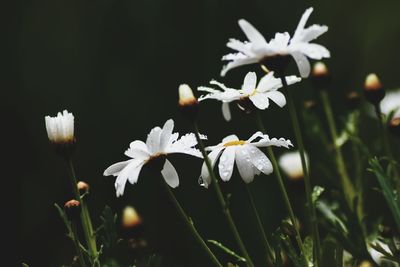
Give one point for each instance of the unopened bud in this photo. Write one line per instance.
(83, 187)
(187, 102)
(320, 76)
(353, 100)
(373, 89)
(309, 105)
(394, 126)
(130, 218)
(366, 264)
(72, 209)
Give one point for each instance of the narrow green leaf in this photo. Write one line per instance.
(227, 250)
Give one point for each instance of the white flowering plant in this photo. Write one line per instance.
(328, 224)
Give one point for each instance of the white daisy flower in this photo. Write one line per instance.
(391, 103)
(257, 49)
(60, 129)
(259, 94)
(250, 160)
(290, 163)
(159, 144)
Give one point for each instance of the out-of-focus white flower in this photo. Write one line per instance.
(391, 103)
(60, 129)
(379, 257)
(250, 160)
(160, 143)
(257, 49)
(290, 163)
(259, 94)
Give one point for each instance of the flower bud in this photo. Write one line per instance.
(394, 126)
(130, 218)
(188, 103)
(83, 187)
(72, 208)
(320, 76)
(373, 89)
(353, 100)
(309, 105)
(366, 264)
(60, 131)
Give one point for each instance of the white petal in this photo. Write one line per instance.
(124, 174)
(244, 48)
(302, 64)
(170, 175)
(252, 33)
(153, 140)
(249, 83)
(268, 82)
(226, 163)
(186, 145)
(133, 174)
(230, 138)
(237, 63)
(259, 160)
(265, 141)
(255, 136)
(277, 97)
(116, 168)
(302, 23)
(314, 51)
(313, 32)
(244, 165)
(279, 43)
(137, 149)
(213, 156)
(226, 111)
(166, 134)
(260, 100)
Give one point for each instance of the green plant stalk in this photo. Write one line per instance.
(191, 227)
(284, 193)
(349, 191)
(307, 181)
(386, 144)
(221, 200)
(89, 236)
(77, 246)
(260, 226)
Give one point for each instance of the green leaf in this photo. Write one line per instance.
(317, 191)
(108, 230)
(227, 250)
(332, 253)
(388, 191)
(64, 218)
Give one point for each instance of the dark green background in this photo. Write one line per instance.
(117, 65)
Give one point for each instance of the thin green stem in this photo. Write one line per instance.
(191, 227)
(86, 224)
(307, 181)
(284, 193)
(77, 245)
(348, 187)
(221, 200)
(267, 246)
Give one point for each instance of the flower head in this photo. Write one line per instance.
(391, 103)
(290, 163)
(188, 103)
(259, 94)
(60, 129)
(373, 89)
(258, 50)
(250, 160)
(159, 144)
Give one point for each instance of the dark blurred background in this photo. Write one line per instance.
(117, 64)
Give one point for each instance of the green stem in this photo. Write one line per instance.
(221, 200)
(307, 181)
(77, 245)
(348, 187)
(86, 224)
(191, 227)
(284, 193)
(266, 244)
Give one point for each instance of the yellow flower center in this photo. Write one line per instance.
(235, 143)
